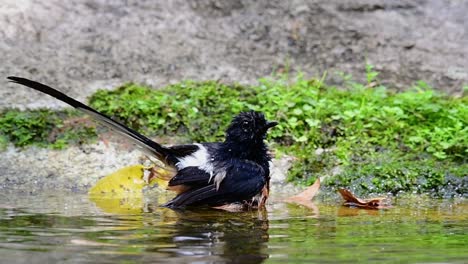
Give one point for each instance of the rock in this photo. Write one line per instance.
(76, 167)
(80, 47)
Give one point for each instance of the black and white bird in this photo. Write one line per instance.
(235, 171)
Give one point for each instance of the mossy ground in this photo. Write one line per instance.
(362, 136)
(44, 128)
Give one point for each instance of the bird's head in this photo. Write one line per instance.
(248, 127)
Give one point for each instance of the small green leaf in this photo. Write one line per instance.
(297, 111)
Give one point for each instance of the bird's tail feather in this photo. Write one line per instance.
(147, 145)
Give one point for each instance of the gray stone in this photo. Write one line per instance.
(81, 46)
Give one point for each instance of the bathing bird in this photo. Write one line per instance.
(234, 171)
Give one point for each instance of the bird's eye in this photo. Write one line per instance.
(246, 126)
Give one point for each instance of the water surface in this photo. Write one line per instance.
(55, 227)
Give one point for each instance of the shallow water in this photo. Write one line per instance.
(68, 228)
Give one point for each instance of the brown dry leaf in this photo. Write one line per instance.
(308, 194)
(305, 198)
(352, 200)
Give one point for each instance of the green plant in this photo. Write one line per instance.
(361, 131)
(43, 128)
(199, 109)
(353, 125)
(371, 75)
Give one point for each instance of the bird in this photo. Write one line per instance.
(235, 171)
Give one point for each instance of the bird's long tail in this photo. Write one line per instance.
(147, 145)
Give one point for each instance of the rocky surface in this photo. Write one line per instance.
(80, 46)
(76, 168)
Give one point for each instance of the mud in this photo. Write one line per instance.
(81, 46)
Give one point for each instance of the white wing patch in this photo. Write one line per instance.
(199, 158)
(202, 160)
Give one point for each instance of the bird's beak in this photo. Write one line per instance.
(267, 126)
(270, 125)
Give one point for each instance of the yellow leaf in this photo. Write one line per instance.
(119, 205)
(120, 192)
(125, 182)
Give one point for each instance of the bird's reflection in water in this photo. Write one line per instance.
(205, 235)
(220, 236)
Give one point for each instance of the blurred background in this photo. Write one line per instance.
(80, 46)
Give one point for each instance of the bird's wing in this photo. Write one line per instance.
(243, 180)
(146, 144)
(184, 150)
(194, 196)
(190, 176)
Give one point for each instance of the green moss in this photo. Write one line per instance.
(199, 110)
(44, 128)
(362, 135)
(396, 171)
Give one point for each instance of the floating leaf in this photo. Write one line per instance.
(122, 183)
(122, 191)
(308, 194)
(352, 200)
(305, 198)
(119, 205)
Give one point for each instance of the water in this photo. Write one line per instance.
(68, 228)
